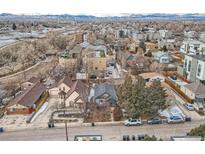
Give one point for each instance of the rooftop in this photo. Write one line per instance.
(29, 96)
(199, 57)
(198, 88)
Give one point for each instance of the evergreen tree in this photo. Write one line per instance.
(164, 48)
(142, 45)
(139, 99)
(199, 131)
(14, 26)
(124, 91)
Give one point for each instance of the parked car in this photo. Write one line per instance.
(126, 138)
(175, 119)
(1, 129)
(188, 119)
(173, 77)
(93, 77)
(141, 137)
(154, 121)
(189, 106)
(132, 122)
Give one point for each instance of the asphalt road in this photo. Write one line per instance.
(109, 133)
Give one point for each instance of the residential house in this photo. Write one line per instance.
(165, 34)
(193, 47)
(195, 91)
(122, 33)
(130, 60)
(105, 94)
(74, 91)
(190, 34)
(168, 43)
(95, 58)
(202, 36)
(162, 57)
(29, 100)
(68, 59)
(148, 34)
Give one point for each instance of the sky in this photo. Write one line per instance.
(101, 7)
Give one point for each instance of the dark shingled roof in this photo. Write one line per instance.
(66, 80)
(199, 57)
(81, 88)
(101, 89)
(29, 96)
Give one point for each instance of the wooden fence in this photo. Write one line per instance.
(178, 90)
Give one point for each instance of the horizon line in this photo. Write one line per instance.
(97, 14)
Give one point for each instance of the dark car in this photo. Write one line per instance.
(141, 137)
(126, 138)
(154, 121)
(93, 77)
(1, 129)
(188, 119)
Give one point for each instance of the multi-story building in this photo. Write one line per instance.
(190, 34)
(165, 34)
(193, 47)
(194, 67)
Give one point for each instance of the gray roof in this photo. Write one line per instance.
(199, 57)
(198, 88)
(105, 88)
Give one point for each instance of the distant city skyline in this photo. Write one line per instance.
(100, 8)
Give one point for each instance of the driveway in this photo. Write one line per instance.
(180, 101)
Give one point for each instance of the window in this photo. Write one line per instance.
(189, 66)
(199, 70)
(185, 64)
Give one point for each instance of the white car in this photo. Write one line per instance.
(189, 106)
(175, 119)
(132, 122)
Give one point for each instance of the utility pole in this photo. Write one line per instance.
(66, 130)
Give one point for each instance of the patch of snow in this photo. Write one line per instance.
(43, 107)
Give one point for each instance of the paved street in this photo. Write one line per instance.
(163, 131)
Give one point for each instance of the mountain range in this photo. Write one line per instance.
(156, 16)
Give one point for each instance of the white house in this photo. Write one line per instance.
(162, 57)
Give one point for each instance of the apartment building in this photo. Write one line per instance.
(194, 67)
(192, 47)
